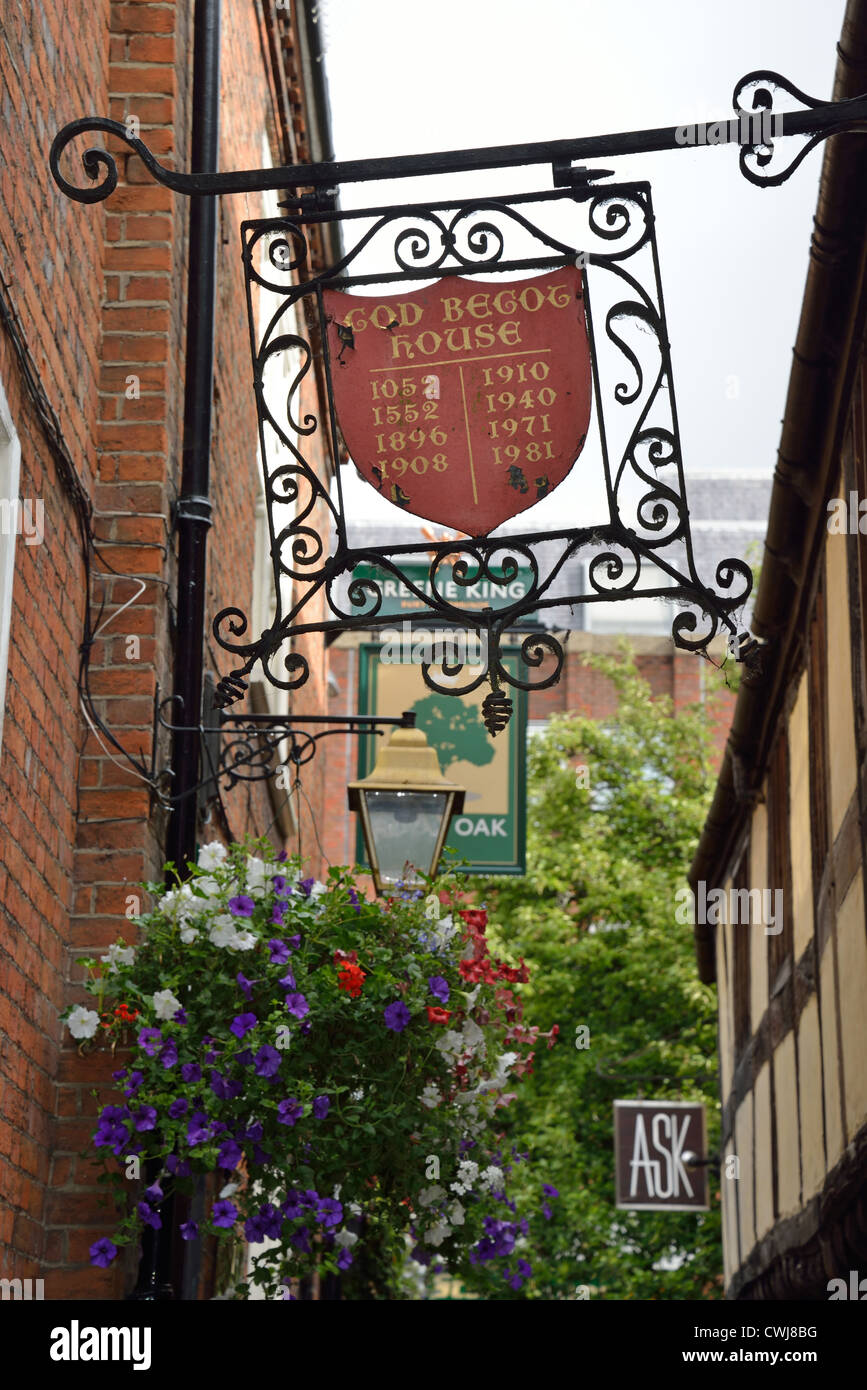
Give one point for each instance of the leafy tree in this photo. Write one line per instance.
(595, 919)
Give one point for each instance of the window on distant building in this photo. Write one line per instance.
(10, 462)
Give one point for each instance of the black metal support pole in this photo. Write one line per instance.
(193, 521)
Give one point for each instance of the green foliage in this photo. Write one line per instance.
(595, 919)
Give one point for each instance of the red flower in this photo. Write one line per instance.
(350, 978)
(476, 918)
(438, 1015)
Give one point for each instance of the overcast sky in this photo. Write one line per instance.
(406, 77)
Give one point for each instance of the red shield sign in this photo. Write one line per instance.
(466, 402)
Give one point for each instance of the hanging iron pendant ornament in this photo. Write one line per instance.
(466, 402)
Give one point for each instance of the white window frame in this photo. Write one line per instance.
(10, 476)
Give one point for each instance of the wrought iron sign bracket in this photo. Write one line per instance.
(642, 547)
(754, 97)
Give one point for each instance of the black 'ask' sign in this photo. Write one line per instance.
(655, 1144)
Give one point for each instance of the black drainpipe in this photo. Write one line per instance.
(193, 521)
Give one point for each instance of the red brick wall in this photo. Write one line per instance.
(101, 294)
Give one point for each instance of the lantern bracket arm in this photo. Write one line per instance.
(250, 744)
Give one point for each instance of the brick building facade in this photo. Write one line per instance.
(92, 378)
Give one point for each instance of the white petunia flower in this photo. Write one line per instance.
(456, 1214)
(82, 1022)
(473, 1035)
(222, 930)
(430, 1096)
(429, 1195)
(243, 941)
(345, 1238)
(212, 856)
(165, 1004)
(208, 886)
(492, 1179)
(229, 1190)
(257, 875)
(450, 1042)
(444, 930)
(188, 934)
(436, 1234)
(459, 1188)
(118, 955)
(468, 1171)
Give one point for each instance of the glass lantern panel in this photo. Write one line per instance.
(405, 827)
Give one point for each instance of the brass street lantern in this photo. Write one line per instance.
(405, 806)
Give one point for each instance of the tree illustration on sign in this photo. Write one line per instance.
(455, 729)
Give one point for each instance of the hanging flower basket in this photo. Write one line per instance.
(339, 1064)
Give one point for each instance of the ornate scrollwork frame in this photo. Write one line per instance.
(647, 524)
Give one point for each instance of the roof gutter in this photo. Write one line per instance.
(806, 471)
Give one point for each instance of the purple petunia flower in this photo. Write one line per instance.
(102, 1252)
(180, 1016)
(344, 1259)
(223, 1088)
(439, 988)
(169, 1053)
(180, 1167)
(321, 1106)
(148, 1039)
(297, 1005)
(549, 1191)
(397, 1016)
(294, 942)
(149, 1216)
(198, 1130)
(278, 913)
(190, 1230)
(293, 1207)
(241, 906)
(145, 1118)
(178, 1108)
(282, 856)
(242, 1024)
(306, 884)
(224, 1213)
(118, 1075)
(154, 1193)
(191, 1071)
(260, 1156)
(289, 1111)
(244, 985)
(301, 1240)
(253, 1132)
(279, 951)
(353, 898)
(280, 885)
(329, 1212)
(229, 1154)
(288, 980)
(267, 1061)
